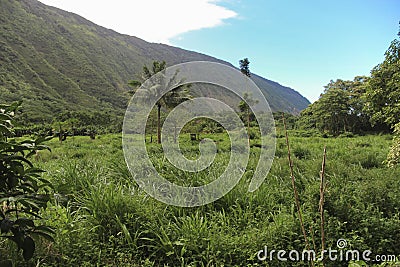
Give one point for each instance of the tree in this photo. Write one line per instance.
(244, 66)
(359, 119)
(339, 109)
(157, 67)
(244, 107)
(248, 101)
(332, 110)
(20, 187)
(383, 97)
(168, 100)
(383, 90)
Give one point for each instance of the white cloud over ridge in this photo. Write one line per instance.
(152, 20)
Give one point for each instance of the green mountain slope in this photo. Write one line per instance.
(56, 61)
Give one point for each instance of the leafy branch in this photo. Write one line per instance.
(23, 192)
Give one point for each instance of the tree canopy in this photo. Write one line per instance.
(361, 104)
(168, 100)
(383, 90)
(244, 66)
(339, 108)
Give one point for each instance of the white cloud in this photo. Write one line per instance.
(151, 20)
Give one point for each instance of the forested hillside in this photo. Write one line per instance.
(56, 61)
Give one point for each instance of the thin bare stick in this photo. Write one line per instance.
(311, 231)
(296, 194)
(322, 188)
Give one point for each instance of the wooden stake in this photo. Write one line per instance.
(296, 194)
(321, 201)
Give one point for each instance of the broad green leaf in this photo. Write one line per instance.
(28, 248)
(24, 222)
(46, 229)
(44, 235)
(20, 158)
(4, 129)
(5, 117)
(5, 225)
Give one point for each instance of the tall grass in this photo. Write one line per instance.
(103, 219)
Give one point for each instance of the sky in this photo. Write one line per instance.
(300, 44)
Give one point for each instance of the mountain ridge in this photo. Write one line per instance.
(58, 61)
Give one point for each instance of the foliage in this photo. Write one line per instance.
(247, 102)
(102, 217)
(347, 106)
(156, 68)
(383, 90)
(244, 66)
(245, 107)
(23, 192)
(168, 100)
(393, 157)
(82, 123)
(339, 108)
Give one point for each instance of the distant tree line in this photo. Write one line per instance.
(74, 123)
(340, 109)
(361, 105)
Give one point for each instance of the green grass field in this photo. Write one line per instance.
(102, 218)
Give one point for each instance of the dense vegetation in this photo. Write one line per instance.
(98, 216)
(23, 192)
(366, 104)
(393, 157)
(362, 105)
(102, 218)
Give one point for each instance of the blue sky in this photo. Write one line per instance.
(301, 44)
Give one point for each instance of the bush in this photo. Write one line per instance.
(22, 190)
(393, 157)
(254, 134)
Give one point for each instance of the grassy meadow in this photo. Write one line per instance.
(102, 218)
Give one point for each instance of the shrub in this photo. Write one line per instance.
(393, 157)
(22, 190)
(253, 134)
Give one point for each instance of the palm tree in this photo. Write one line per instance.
(244, 106)
(168, 100)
